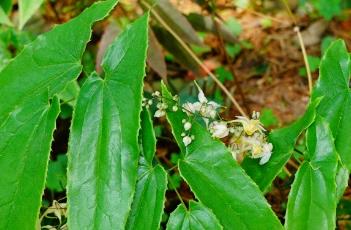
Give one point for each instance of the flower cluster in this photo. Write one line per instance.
(246, 135)
(250, 138)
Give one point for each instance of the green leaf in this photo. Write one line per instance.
(27, 121)
(70, 93)
(198, 217)
(24, 153)
(283, 141)
(335, 107)
(4, 19)
(268, 118)
(26, 10)
(147, 207)
(342, 181)
(50, 62)
(327, 8)
(103, 147)
(56, 179)
(311, 203)
(218, 181)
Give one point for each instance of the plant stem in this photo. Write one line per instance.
(302, 45)
(197, 60)
(304, 53)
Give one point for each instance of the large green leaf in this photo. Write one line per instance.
(103, 147)
(333, 86)
(50, 62)
(312, 197)
(26, 9)
(151, 187)
(24, 153)
(27, 83)
(218, 181)
(283, 141)
(198, 217)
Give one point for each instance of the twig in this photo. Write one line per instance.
(196, 59)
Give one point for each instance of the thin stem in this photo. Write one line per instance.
(302, 45)
(196, 59)
(304, 53)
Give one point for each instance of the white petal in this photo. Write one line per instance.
(187, 126)
(187, 140)
(201, 95)
(265, 158)
(159, 113)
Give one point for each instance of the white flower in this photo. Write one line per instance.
(191, 108)
(250, 125)
(156, 94)
(162, 106)
(267, 152)
(160, 113)
(201, 95)
(209, 110)
(187, 126)
(175, 108)
(219, 129)
(187, 140)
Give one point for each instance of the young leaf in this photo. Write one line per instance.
(24, 153)
(147, 207)
(198, 217)
(218, 181)
(27, 83)
(26, 9)
(312, 197)
(103, 147)
(333, 86)
(283, 141)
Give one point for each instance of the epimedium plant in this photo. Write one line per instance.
(114, 179)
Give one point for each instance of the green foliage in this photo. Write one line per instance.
(114, 179)
(283, 141)
(268, 118)
(56, 178)
(103, 147)
(218, 181)
(29, 111)
(313, 62)
(147, 207)
(198, 217)
(333, 86)
(312, 199)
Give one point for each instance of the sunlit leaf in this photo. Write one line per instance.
(103, 147)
